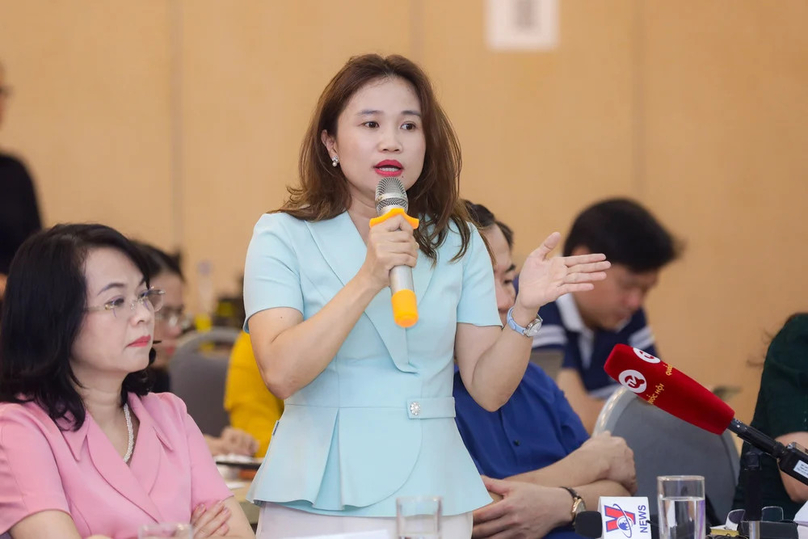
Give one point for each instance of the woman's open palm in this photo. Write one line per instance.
(544, 279)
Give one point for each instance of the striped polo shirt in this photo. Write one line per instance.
(586, 350)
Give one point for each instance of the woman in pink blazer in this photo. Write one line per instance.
(84, 448)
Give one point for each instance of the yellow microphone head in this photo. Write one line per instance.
(405, 308)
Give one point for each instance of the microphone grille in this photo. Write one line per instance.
(589, 524)
(390, 192)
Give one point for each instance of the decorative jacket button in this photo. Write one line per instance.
(415, 409)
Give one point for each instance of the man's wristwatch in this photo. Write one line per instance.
(529, 331)
(578, 505)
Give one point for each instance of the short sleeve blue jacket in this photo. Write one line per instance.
(378, 422)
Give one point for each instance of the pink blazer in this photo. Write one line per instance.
(80, 473)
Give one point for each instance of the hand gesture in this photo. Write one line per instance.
(524, 511)
(210, 522)
(390, 243)
(544, 279)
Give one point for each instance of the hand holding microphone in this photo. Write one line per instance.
(393, 251)
(390, 244)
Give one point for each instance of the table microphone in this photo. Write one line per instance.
(589, 524)
(626, 516)
(667, 388)
(753, 504)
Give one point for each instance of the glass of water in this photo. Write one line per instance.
(418, 517)
(166, 529)
(681, 507)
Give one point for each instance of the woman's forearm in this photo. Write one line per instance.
(501, 366)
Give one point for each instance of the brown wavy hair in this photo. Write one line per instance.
(435, 196)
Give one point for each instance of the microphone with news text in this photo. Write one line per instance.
(629, 516)
(671, 390)
(391, 200)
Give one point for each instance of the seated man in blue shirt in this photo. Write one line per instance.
(534, 448)
(585, 327)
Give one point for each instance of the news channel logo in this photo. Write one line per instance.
(633, 380)
(619, 521)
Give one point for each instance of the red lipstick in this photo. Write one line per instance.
(143, 341)
(389, 167)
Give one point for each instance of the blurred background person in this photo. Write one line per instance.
(86, 448)
(782, 413)
(252, 407)
(19, 211)
(535, 456)
(585, 327)
(171, 321)
(170, 324)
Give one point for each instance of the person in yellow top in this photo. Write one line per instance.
(251, 406)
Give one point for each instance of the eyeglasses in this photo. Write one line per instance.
(152, 299)
(174, 318)
(6, 91)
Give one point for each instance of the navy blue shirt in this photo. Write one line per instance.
(586, 350)
(535, 428)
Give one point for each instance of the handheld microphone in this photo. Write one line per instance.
(671, 390)
(391, 199)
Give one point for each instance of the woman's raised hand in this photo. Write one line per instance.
(544, 279)
(390, 243)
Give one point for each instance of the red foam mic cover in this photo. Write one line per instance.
(663, 386)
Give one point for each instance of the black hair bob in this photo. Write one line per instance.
(43, 310)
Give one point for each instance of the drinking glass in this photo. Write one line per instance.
(681, 507)
(418, 517)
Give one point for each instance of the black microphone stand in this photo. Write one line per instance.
(753, 525)
(753, 505)
(791, 459)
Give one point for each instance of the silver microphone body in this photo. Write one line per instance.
(390, 194)
(401, 279)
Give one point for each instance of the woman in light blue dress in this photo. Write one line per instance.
(369, 413)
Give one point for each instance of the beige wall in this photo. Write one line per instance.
(91, 110)
(251, 78)
(724, 132)
(179, 121)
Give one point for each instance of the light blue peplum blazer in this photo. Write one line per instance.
(378, 422)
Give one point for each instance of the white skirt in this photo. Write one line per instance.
(279, 522)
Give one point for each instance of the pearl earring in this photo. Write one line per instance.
(334, 161)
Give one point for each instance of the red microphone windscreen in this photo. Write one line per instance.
(663, 386)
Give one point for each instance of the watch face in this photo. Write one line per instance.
(533, 328)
